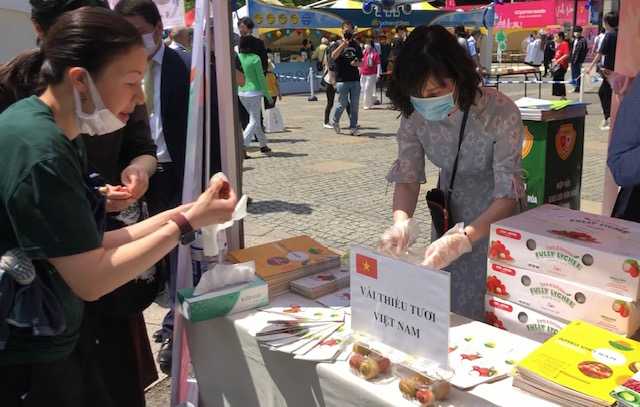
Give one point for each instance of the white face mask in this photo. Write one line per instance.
(149, 43)
(101, 121)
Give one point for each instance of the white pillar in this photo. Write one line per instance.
(230, 148)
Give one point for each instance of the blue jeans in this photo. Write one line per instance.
(348, 94)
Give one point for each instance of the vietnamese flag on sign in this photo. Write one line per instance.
(366, 266)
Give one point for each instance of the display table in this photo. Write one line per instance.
(500, 72)
(233, 370)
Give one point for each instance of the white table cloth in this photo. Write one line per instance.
(233, 370)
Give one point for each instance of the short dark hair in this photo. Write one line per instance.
(89, 37)
(247, 22)
(611, 18)
(431, 52)
(45, 12)
(561, 35)
(401, 27)
(577, 29)
(346, 23)
(146, 9)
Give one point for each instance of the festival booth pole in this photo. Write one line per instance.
(198, 161)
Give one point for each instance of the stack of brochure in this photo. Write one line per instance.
(308, 333)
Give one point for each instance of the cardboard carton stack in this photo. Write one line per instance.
(552, 265)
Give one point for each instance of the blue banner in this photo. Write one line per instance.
(268, 16)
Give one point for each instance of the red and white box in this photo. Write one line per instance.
(520, 320)
(589, 249)
(563, 299)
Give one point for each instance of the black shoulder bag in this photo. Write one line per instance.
(438, 200)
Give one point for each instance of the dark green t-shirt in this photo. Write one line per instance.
(46, 212)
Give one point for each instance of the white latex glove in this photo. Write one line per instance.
(447, 249)
(399, 237)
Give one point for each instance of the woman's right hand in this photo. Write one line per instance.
(397, 239)
(214, 206)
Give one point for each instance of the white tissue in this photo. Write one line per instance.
(223, 275)
(209, 236)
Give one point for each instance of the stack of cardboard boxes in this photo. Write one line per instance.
(551, 265)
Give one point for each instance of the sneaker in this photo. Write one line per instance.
(336, 127)
(353, 131)
(605, 125)
(17, 265)
(265, 150)
(327, 126)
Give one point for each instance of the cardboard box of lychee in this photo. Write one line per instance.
(588, 249)
(368, 363)
(424, 390)
(520, 320)
(563, 299)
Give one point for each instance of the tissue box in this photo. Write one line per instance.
(520, 320)
(226, 301)
(563, 299)
(588, 249)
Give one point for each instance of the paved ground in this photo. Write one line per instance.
(333, 188)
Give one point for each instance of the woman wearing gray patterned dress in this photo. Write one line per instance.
(434, 82)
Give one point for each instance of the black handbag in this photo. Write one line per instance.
(438, 200)
(627, 205)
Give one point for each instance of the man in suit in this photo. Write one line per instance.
(166, 86)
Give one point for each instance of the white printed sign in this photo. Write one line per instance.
(403, 305)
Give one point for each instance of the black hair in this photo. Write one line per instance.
(561, 35)
(247, 45)
(247, 22)
(611, 18)
(431, 52)
(577, 29)
(45, 12)
(19, 78)
(460, 31)
(305, 41)
(401, 27)
(346, 23)
(88, 37)
(146, 9)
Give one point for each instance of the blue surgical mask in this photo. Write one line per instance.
(435, 108)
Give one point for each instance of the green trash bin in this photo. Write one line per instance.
(552, 155)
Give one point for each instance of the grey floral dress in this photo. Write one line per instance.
(489, 167)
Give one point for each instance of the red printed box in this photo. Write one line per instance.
(588, 249)
(563, 299)
(520, 320)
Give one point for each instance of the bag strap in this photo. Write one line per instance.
(455, 163)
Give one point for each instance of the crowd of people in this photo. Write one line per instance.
(93, 130)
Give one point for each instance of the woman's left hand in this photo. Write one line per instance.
(447, 249)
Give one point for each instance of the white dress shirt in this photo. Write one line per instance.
(155, 118)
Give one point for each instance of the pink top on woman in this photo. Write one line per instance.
(370, 62)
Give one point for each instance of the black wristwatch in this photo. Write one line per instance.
(187, 234)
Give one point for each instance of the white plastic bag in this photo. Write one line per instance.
(273, 122)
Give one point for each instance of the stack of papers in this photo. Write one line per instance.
(580, 366)
(279, 263)
(480, 353)
(308, 333)
(541, 109)
(321, 284)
